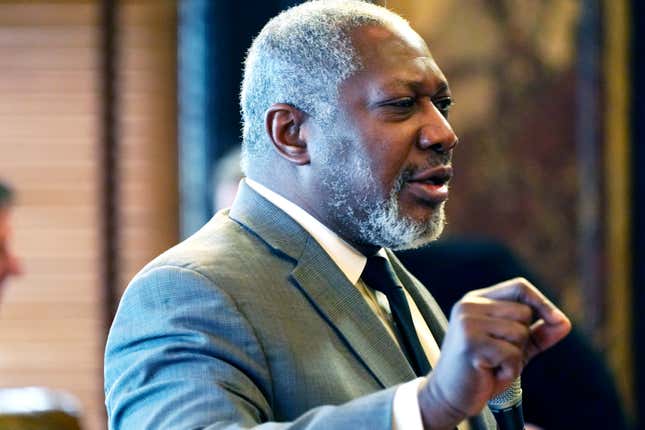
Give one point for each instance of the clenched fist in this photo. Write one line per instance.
(492, 334)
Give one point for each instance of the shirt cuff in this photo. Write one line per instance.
(405, 408)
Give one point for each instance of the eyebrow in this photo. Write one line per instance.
(397, 83)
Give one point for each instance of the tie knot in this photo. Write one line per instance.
(379, 275)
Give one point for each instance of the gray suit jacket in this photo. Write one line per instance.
(250, 323)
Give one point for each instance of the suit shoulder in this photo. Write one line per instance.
(223, 252)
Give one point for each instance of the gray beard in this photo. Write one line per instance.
(386, 226)
(378, 222)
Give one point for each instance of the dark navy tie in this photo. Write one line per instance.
(378, 274)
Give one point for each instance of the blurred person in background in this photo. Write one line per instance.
(28, 408)
(9, 263)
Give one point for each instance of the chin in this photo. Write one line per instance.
(393, 230)
(420, 241)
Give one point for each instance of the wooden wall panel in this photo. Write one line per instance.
(148, 210)
(51, 319)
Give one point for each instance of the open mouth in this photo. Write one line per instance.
(431, 185)
(435, 176)
(435, 180)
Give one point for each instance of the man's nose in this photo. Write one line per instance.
(436, 133)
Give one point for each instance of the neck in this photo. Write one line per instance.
(296, 197)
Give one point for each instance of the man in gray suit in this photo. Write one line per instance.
(269, 316)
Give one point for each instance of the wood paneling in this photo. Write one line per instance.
(51, 319)
(148, 212)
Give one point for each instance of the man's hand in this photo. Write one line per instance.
(493, 333)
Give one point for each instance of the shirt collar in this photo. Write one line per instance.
(350, 261)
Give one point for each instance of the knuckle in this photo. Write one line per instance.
(462, 321)
(523, 286)
(522, 280)
(469, 294)
(468, 324)
(458, 308)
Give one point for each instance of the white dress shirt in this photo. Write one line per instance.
(406, 414)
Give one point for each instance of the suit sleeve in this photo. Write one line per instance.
(180, 355)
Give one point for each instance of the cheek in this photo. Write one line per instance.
(385, 149)
(389, 162)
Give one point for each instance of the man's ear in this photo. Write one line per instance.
(283, 125)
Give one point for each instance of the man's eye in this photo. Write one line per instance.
(405, 103)
(444, 105)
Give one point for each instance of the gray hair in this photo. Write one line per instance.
(300, 58)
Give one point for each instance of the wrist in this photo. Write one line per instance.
(436, 412)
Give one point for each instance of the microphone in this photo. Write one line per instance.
(507, 407)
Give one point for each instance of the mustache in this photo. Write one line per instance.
(409, 171)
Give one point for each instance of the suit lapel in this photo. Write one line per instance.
(325, 286)
(344, 307)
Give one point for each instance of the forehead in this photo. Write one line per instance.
(395, 57)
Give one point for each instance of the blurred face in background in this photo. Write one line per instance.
(9, 264)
